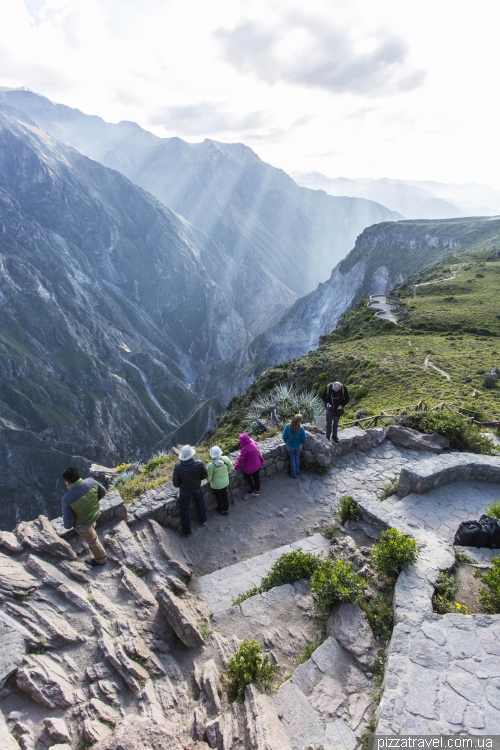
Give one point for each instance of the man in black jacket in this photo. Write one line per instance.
(187, 476)
(335, 397)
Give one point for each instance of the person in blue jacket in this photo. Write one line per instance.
(294, 437)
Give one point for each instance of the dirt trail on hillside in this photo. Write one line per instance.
(428, 363)
(439, 281)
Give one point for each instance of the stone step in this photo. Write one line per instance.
(222, 587)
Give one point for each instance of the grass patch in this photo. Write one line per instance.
(390, 488)
(139, 572)
(309, 650)
(204, 628)
(489, 592)
(289, 568)
(462, 557)
(380, 615)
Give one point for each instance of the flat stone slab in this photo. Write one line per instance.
(15, 580)
(222, 587)
(13, 648)
(180, 618)
(41, 536)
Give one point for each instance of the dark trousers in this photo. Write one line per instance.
(185, 504)
(332, 423)
(253, 480)
(222, 501)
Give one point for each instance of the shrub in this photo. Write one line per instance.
(155, 463)
(246, 666)
(461, 434)
(490, 381)
(348, 509)
(282, 402)
(121, 467)
(360, 413)
(359, 393)
(489, 592)
(380, 615)
(334, 581)
(493, 509)
(394, 553)
(446, 586)
(289, 568)
(390, 488)
(309, 650)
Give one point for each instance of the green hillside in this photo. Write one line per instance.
(451, 325)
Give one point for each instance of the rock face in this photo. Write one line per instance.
(263, 725)
(57, 729)
(415, 440)
(41, 536)
(7, 741)
(45, 680)
(138, 733)
(12, 650)
(349, 625)
(15, 580)
(180, 618)
(10, 542)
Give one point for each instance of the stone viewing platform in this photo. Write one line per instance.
(137, 648)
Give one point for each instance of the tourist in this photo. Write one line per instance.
(187, 477)
(335, 397)
(250, 461)
(294, 437)
(81, 509)
(218, 476)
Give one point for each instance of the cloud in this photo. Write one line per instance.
(206, 117)
(309, 52)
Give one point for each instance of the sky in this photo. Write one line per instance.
(355, 88)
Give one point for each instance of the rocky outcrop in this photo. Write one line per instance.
(123, 548)
(46, 682)
(262, 722)
(13, 648)
(415, 440)
(348, 624)
(40, 536)
(180, 618)
(57, 730)
(10, 542)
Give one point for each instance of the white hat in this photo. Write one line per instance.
(186, 453)
(215, 452)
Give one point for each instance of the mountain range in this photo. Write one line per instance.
(413, 199)
(113, 306)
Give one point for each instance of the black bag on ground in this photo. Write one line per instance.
(482, 533)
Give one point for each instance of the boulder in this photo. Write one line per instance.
(10, 542)
(211, 684)
(124, 549)
(263, 726)
(348, 624)
(15, 581)
(94, 731)
(214, 733)
(41, 536)
(316, 450)
(179, 618)
(102, 474)
(13, 648)
(45, 681)
(57, 730)
(408, 438)
(376, 435)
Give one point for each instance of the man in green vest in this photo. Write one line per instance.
(335, 396)
(81, 509)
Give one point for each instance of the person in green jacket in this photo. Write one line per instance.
(81, 509)
(218, 477)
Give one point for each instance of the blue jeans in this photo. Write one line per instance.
(294, 456)
(185, 503)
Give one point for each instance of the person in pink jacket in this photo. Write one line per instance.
(250, 461)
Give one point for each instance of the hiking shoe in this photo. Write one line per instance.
(336, 440)
(250, 492)
(92, 562)
(256, 493)
(181, 531)
(204, 523)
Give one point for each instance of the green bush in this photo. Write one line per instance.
(462, 557)
(348, 509)
(334, 581)
(461, 434)
(246, 666)
(394, 553)
(489, 592)
(289, 568)
(446, 586)
(360, 392)
(380, 615)
(490, 381)
(493, 509)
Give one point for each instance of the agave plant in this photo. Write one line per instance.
(281, 403)
(122, 477)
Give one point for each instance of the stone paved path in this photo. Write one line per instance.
(222, 587)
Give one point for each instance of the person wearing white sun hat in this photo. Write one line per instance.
(187, 477)
(218, 476)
